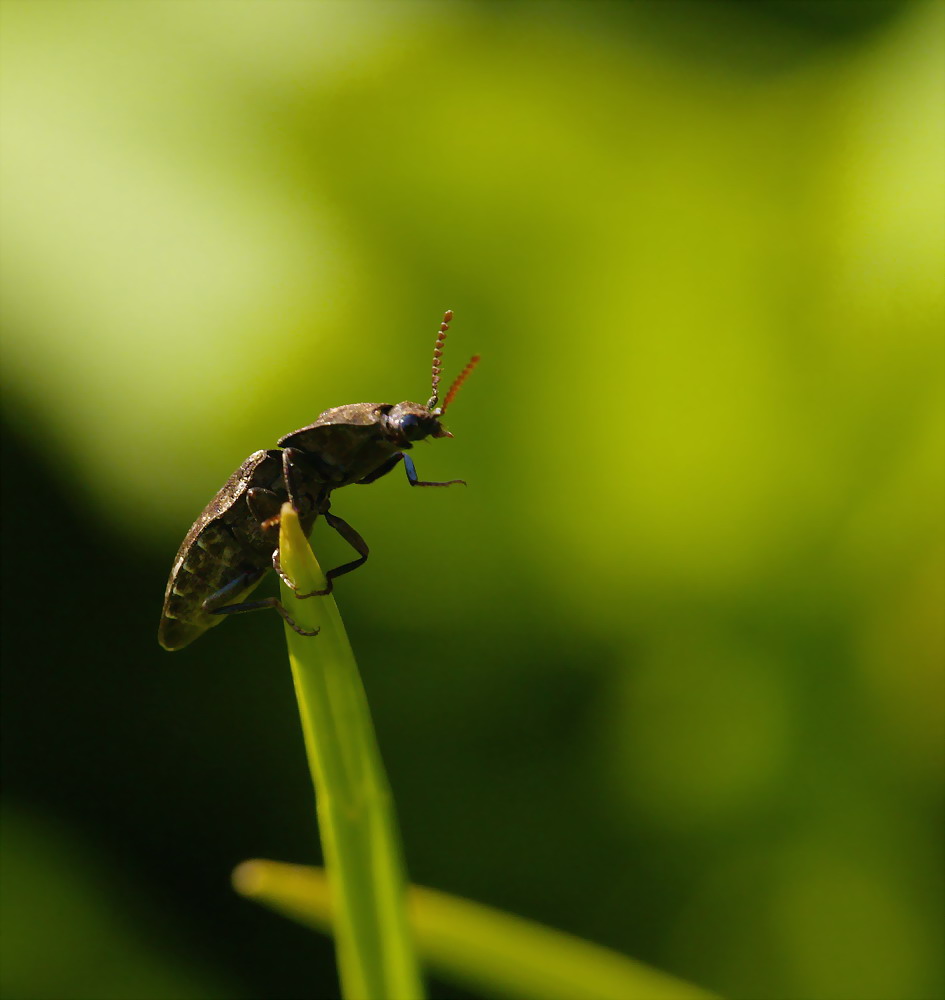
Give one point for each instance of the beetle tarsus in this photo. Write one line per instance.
(265, 602)
(290, 583)
(411, 471)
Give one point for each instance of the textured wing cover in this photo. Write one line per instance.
(218, 551)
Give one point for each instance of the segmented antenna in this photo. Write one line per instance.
(438, 356)
(458, 383)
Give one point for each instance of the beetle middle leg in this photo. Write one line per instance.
(297, 473)
(351, 537)
(216, 603)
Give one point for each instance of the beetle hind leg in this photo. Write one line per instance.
(265, 602)
(216, 603)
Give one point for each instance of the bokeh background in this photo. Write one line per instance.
(668, 674)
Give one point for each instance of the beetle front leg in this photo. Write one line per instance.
(411, 471)
(299, 472)
(293, 475)
(390, 464)
(265, 507)
(296, 473)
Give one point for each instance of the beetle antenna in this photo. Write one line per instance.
(438, 356)
(458, 383)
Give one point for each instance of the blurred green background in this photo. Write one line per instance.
(668, 674)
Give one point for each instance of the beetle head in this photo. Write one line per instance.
(408, 422)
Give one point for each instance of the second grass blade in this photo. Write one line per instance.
(483, 949)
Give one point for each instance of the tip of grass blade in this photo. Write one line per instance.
(301, 567)
(250, 879)
(296, 555)
(295, 891)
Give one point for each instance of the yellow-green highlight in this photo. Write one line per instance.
(477, 946)
(361, 845)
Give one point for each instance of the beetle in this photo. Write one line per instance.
(235, 541)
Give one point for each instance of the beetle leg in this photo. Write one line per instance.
(265, 602)
(411, 471)
(239, 585)
(351, 537)
(297, 473)
(283, 576)
(381, 470)
(216, 604)
(354, 540)
(289, 582)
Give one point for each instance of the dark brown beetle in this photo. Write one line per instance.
(234, 542)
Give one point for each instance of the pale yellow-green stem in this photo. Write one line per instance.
(360, 840)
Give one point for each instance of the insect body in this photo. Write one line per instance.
(234, 542)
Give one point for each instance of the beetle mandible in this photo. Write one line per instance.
(235, 541)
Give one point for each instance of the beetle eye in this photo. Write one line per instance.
(412, 426)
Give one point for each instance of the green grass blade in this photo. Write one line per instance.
(363, 856)
(481, 948)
